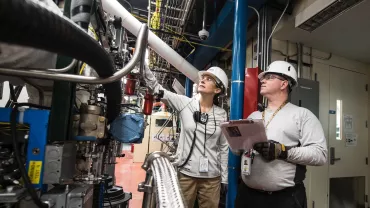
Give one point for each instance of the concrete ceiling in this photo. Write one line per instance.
(348, 35)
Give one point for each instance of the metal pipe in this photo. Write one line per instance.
(65, 69)
(61, 70)
(264, 35)
(237, 89)
(258, 33)
(140, 44)
(299, 60)
(132, 24)
(204, 14)
(273, 30)
(162, 177)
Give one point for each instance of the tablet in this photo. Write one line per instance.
(243, 134)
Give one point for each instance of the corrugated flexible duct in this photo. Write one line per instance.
(129, 22)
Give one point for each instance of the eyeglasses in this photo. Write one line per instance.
(207, 78)
(272, 76)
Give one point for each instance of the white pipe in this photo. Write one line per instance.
(133, 25)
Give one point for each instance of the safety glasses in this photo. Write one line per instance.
(207, 79)
(272, 76)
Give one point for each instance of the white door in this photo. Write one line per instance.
(348, 133)
(348, 139)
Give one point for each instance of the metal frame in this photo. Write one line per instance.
(171, 16)
(38, 121)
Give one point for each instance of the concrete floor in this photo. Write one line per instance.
(129, 175)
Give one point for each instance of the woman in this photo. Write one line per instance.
(202, 152)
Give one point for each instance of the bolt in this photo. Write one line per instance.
(35, 151)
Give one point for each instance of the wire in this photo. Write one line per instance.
(140, 18)
(82, 68)
(273, 30)
(13, 119)
(192, 51)
(93, 31)
(205, 45)
(12, 97)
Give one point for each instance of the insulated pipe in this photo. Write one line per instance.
(237, 90)
(129, 22)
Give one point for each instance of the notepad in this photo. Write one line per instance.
(243, 134)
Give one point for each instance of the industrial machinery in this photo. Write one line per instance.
(78, 171)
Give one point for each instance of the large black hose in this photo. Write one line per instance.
(26, 23)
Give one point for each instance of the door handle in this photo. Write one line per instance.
(332, 156)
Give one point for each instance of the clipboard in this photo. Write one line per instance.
(243, 134)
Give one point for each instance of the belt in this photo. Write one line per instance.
(276, 192)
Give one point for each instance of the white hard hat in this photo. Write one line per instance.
(218, 74)
(284, 68)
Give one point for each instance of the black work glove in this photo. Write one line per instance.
(223, 188)
(271, 150)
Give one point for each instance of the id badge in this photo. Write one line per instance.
(203, 165)
(247, 164)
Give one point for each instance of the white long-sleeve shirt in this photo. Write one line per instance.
(292, 126)
(216, 146)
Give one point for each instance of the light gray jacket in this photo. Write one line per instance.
(213, 145)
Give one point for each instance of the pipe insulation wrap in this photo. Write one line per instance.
(129, 22)
(166, 183)
(80, 12)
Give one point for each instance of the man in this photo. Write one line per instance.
(295, 139)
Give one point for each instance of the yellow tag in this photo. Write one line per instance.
(34, 171)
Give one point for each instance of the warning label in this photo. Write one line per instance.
(34, 171)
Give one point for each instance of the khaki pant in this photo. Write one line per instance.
(207, 190)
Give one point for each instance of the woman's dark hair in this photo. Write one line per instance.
(215, 99)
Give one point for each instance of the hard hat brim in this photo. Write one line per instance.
(262, 74)
(218, 81)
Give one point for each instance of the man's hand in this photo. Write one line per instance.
(223, 188)
(271, 150)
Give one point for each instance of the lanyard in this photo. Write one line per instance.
(273, 115)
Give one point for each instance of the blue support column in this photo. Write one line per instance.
(237, 89)
(188, 87)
